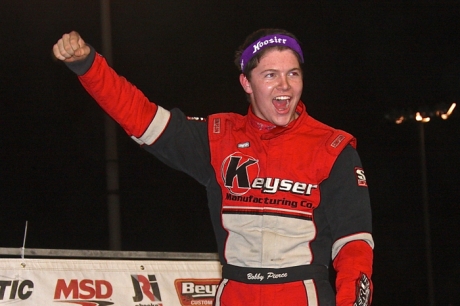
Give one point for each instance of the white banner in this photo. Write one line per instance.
(108, 282)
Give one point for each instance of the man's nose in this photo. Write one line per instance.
(284, 83)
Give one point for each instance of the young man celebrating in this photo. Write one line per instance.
(286, 192)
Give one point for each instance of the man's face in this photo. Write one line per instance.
(275, 86)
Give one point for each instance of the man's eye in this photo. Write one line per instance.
(269, 75)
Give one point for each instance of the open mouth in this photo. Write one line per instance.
(281, 103)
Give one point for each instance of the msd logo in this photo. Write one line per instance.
(84, 292)
(11, 291)
(196, 291)
(146, 287)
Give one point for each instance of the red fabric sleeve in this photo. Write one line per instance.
(125, 103)
(354, 270)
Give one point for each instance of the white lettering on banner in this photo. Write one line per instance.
(260, 44)
(199, 290)
(201, 302)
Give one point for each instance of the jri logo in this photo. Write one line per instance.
(146, 287)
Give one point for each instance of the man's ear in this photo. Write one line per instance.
(245, 84)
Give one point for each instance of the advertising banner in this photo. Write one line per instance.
(108, 282)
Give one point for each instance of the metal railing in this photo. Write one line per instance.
(101, 254)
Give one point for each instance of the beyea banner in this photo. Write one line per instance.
(107, 282)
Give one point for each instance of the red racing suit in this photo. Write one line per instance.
(284, 201)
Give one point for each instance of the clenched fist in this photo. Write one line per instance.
(71, 47)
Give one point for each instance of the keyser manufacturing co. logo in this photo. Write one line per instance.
(146, 289)
(196, 291)
(237, 169)
(240, 173)
(85, 292)
(14, 290)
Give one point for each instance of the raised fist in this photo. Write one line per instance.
(71, 47)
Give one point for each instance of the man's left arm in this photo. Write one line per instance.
(350, 220)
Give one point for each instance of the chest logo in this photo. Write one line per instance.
(243, 145)
(240, 173)
(237, 169)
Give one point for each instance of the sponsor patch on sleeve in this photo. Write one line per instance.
(216, 126)
(360, 177)
(363, 291)
(337, 141)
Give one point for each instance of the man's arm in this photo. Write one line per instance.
(143, 120)
(353, 265)
(349, 217)
(183, 144)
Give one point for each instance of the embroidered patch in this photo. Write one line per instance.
(363, 291)
(216, 126)
(360, 177)
(243, 145)
(337, 141)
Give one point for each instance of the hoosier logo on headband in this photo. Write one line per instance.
(269, 41)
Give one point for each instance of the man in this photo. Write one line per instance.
(286, 193)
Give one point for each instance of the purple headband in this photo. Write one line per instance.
(269, 41)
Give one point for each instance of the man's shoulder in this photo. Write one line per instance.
(227, 116)
(220, 122)
(334, 140)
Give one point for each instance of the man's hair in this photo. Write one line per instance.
(255, 60)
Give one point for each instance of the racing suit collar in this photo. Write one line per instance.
(270, 130)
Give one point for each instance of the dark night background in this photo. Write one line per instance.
(363, 60)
